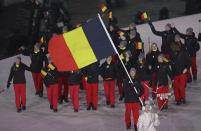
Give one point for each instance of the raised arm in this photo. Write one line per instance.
(158, 33)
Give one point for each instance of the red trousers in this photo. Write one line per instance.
(132, 107)
(109, 87)
(63, 81)
(38, 83)
(52, 94)
(153, 86)
(92, 94)
(162, 96)
(120, 86)
(167, 56)
(179, 87)
(193, 68)
(74, 95)
(145, 85)
(20, 93)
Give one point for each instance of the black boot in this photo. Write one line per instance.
(195, 78)
(154, 97)
(19, 110)
(129, 127)
(24, 108)
(107, 103)
(135, 127)
(189, 81)
(60, 100)
(178, 102)
(40, 94)
(183, 101)
(121, 98)
(89, 108)
(66, 100)
(51, 107)
(37, 93)
(112, 106)
(55, 110)
(75, 110)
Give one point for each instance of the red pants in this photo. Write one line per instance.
(109, 87)
(38, 83)
(145, 85)
(179, 87)
(153, 86)
(193, 68)
(63, 81)
(188, 75)
(92, 94)
(162, 96)
(167, 56)
(20, 93)
(120, 86)
(52, 94)
(74, 95)
(134, 107)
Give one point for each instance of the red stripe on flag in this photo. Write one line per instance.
(61, 55)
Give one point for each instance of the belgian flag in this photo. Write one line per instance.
(139, 45)
(109, 15)
(51, 67)
(41, 40)
(104, 9)
(144, 16)
(120, 33)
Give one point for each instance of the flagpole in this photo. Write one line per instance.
(118, 55)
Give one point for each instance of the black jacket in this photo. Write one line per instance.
(152, 59)
(167, 38)
(143, 73)
(130, 94)
(51, 78)
(179, 61)
(162, 73)
(128, 64)
(191, 43)
(92, 72)
(75, 77)
(108, 71)
(37, 60)
(17, 74)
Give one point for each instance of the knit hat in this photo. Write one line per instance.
(133, 25)
(161, 55)
(133, 32)
(177, 36)
(128, 52)
(189, 30)
(132, 70)
(19, 58)
(65, 28)
(168, 25)
(141, 55)
(124, 43)
(37, 45)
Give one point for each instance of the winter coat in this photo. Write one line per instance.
(108, 71)
(18, 74)
(143, 73)
(75, 77)
(152, 59)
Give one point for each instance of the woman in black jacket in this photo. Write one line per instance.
(132, 101)
(74, 86)
(19, 82)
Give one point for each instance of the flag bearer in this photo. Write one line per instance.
(108, 71)
(75, 78)
(181, 62)
(19, 82)
(162, 73)
(91, 73)
(50, 78)
(152, 61)
(132, 102)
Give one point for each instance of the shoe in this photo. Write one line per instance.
(189, 81)
(60, 101)
(121, 98)
(135, 127)
(154, 97)
(37, 93)
(94, 108)
(195, 78)
(112, 106)
(89, 108)
(75, 110)
(51, 107)
(19, 110)
(55, 110)
(107, 103)
(66, 100)
(128, 127)
(24, 108)
(178, 102)
(40, 94)
(183, 101)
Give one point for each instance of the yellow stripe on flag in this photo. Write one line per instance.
(51, 67)
(43, 73)
(79, 47)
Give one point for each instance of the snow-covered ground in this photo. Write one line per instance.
(38, 117)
